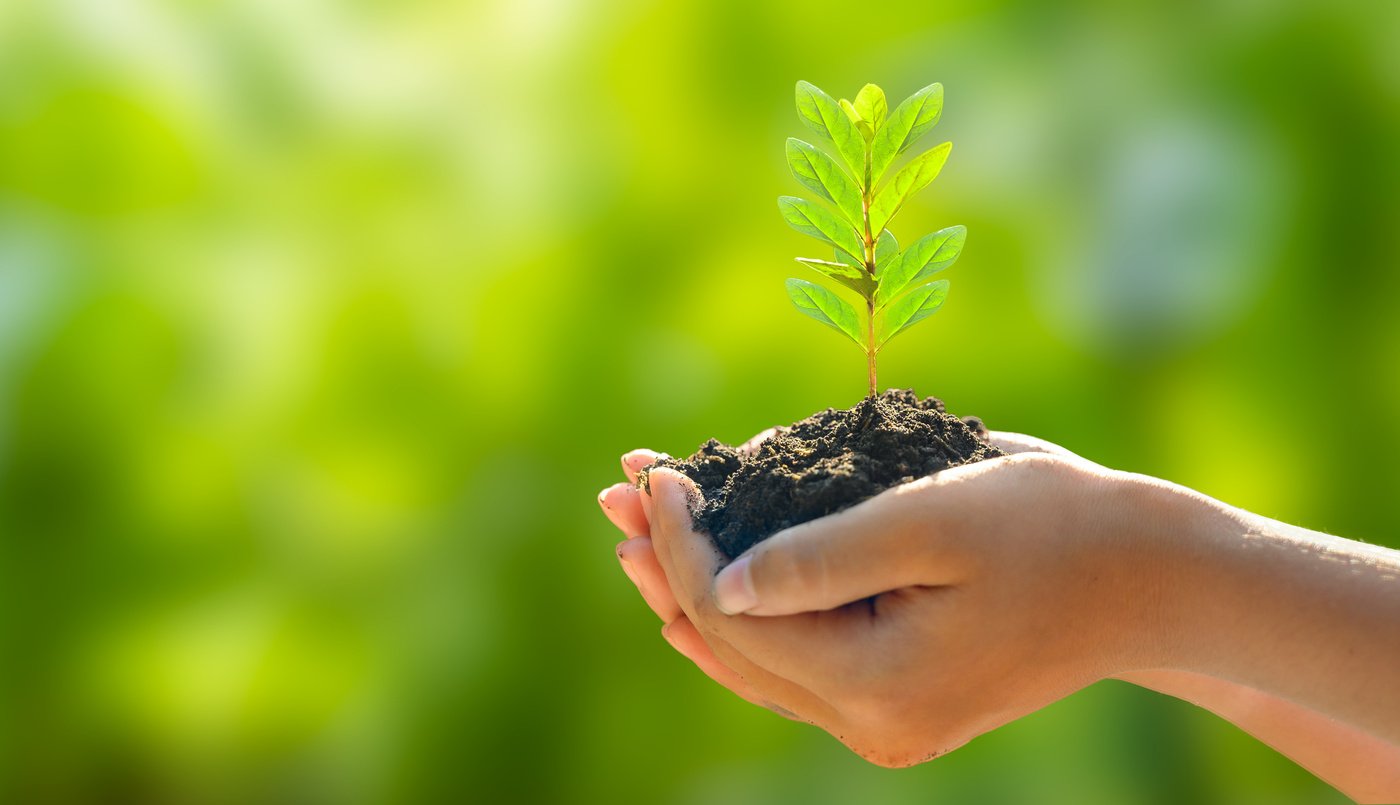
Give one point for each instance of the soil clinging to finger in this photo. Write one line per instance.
(827, 462)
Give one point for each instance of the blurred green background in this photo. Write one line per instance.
(322, 324)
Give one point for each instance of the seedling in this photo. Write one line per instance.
(868, 137)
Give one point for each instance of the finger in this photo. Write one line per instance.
(775, 686)
(874, 547)
(645, 500)
(634, 460)
(780, 695)
(623, 506)
(684, 638)
(639, 562)
(803, 649)
(1021, 443)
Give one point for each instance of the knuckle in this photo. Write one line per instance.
(1048, 466)
(1037, 462)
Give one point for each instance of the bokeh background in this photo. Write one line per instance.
(321, 325)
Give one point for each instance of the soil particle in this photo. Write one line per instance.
(825, 463)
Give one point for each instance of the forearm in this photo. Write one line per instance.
(1357, 763)
(1300, 616)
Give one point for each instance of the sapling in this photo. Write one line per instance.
(868, 136)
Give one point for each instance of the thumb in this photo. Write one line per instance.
(868, 549)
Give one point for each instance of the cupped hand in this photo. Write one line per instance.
(916, 666)
(955, 632)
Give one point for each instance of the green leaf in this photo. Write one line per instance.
(914, 307)
(833, 270)
(925, 257)
(824, 116)
(820, 223)
(886, 249)
(850, 111)
(871, 106)
(842, 257)
(824, 306)
(911, 179)
(822, 175)
(853, 277)
(866, 130)
(908, 122)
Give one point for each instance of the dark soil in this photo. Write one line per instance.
(827, 462)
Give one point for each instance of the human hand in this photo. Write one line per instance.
(981, 594)
(630, 512)
(899, 606)
(1351, 758)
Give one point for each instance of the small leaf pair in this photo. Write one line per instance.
(867, 137)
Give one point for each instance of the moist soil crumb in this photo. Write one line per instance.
(825, 463)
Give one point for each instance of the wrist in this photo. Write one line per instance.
(1164, 535)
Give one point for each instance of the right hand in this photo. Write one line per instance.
(1359, 763)
(629, 510)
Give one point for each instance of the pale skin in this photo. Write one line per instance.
(942, 609)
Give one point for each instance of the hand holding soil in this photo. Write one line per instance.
(907, 581)
(942, 608)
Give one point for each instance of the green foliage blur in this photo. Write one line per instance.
(322, 324)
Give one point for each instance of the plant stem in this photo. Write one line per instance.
(870, 350)
(865, 197)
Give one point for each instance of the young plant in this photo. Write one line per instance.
(867, 136)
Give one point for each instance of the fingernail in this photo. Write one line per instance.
(734, 593)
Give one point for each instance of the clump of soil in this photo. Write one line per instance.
(825, 463)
